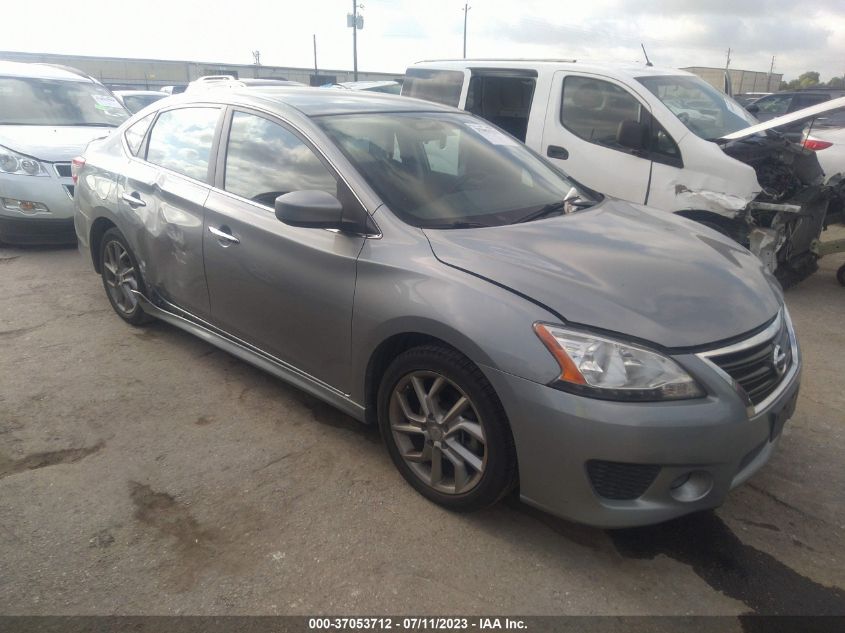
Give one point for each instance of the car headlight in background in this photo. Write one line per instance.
(18, 164)
(605, 368)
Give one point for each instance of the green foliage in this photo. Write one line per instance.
(811, 79)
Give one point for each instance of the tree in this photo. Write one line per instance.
(836, 82)
(808, 79)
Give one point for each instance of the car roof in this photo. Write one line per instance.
(321, 102)
(42, 71)
(626, 69)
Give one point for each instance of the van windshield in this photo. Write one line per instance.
(704, 110)
(27, 101)
(444, 170)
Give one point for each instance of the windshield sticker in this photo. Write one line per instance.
(105, 101)
(491, 134)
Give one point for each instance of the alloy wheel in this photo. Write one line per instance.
(120, 277)
(438, 432)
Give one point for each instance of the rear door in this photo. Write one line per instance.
(286, 290)
(165, 193)
(580, 134)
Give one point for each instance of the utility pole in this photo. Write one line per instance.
(316, 72)
(466, 12)
(356, 22)
(769, 79)
(728, 62)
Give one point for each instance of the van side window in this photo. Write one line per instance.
(440, 86)
(593, 109)
(502, 100)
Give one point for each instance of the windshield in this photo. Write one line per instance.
(136, 103)
(25, 101)
(448, 170)
(704, 110)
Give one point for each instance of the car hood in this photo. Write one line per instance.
(50, 143)
(792, 117)
(623, 268)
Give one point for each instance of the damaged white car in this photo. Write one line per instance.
(661, 137)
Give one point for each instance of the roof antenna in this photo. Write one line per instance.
(647, 60)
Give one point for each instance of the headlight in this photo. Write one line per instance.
(14, 163)
(613, 370)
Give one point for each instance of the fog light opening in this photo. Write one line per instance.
(691, 486)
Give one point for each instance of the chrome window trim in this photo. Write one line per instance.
(761, 337)
(133, 157)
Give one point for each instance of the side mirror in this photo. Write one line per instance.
(631, 134)
(753, 109)
(310, 209)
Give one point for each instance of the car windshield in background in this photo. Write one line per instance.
(136, 103)
(704, 110)
(448, 170)
(25, 101)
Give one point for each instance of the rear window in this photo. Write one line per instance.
(27, 101)
(440, 86)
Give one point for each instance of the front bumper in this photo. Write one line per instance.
(560, 437)
(52, 227)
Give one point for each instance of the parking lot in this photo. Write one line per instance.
(144, 471)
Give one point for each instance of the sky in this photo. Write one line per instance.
(801, 34)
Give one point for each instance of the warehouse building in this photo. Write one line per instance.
(742, 81)
(151, 74)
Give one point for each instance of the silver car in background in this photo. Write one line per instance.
(48, 114)
(420, 269)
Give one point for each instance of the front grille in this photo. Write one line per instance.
(756, 369)
(62, 169)
(615, 480)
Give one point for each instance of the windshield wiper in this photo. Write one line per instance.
(544, 211)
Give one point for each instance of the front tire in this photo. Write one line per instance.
(121, 275)
(445, 429)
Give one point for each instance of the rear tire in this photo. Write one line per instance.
(121, 275)
(454, 444)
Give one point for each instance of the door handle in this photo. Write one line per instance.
(556, 151)
(223, 236)
(132, 201)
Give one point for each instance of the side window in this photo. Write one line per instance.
(805, 101)
(663, 146)
(440, 86)
(774, 105)
(592, 109)
(503, 100)
(181, 140)
(135, 133)
(265, 160)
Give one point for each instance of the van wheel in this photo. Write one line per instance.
(445, 429)
(121, 276)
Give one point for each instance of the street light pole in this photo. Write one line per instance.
(355, 39)
(466, 11)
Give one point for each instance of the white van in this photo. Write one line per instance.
(660, 137)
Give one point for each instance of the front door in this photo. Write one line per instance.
(580, 135)
(286, 290)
